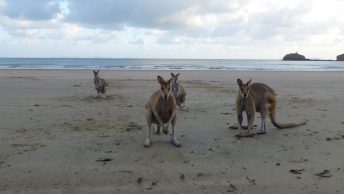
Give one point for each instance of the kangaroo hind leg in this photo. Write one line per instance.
(149, 123)
(174, 140)
(250, 121)
(262, 129)
(240, 119)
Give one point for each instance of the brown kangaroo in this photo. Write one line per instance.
(178, 92)
(100, 83)
(161, 110)
(257, 97)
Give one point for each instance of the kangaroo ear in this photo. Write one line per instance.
(172, 80)
(239, 82)
(94, 71)
(172, 74)
(160, 79)
(177, 75)
(249, 82)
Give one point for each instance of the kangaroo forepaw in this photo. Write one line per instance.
(147, 143)
(175, 142)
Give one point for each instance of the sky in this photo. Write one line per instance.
(202, 29)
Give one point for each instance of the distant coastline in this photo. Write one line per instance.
(298, 57)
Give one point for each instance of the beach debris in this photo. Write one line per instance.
(324, 174)
(36, 105)
(104, 160)
(251, 180)
(117, 142)
(278, 164)
(296, 171)
(334, 138)
(301, 160)
(139, 180)
(231, 188)
(154, 183)
(89, 119)
(182, 176)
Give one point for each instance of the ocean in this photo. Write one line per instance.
(169, 64)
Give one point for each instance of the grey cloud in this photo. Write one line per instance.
(171, 17)
(119, 13)
(31, 9)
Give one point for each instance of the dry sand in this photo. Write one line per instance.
(57, 137)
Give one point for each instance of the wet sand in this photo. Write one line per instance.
(56, 136)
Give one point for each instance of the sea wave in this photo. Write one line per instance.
(169, 64)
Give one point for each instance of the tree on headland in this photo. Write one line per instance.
(340, 57)
(294, 57)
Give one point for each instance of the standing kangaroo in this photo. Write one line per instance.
(257, 97)
(161, 110)
(178, 92)
(99, 83)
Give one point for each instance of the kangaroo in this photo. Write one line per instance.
(257, 97)
(178, 92)
(100, 83)
(161, 110)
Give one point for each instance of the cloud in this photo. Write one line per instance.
(220, 24)
(118, 13)
(30, 9)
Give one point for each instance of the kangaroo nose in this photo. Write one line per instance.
(245, 95)
(165, 96)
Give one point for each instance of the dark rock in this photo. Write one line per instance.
(294, 57)
(340, 57)
(296, 171)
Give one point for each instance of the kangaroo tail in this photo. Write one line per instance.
(280, 125)
(285, 125)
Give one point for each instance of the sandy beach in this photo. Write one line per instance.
(56, 136)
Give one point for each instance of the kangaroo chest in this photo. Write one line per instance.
(165, 110)
(247, 104)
